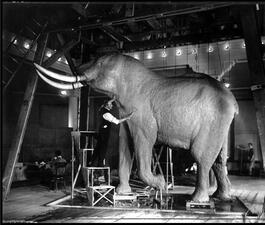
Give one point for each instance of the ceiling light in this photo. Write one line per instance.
(226, 47)
(227, 85)
(63, 93)
(60, 59)
(136, 56)
(194, 51)
(164, 54)
(15, 42)
(149, 55)
(26, 45)
(210, 49)
(178, 52)
(48, 54)
(243, 45)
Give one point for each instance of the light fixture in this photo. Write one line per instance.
(60, 59)
(15, 42)
(226, 46)
(63, 93)
(26, 45)
(227, 84)
(194, 51)
(210, 49)
(136, 56)
(178, 52)
(48, 54)
(243, 45)
(149, 55)
(164, 54)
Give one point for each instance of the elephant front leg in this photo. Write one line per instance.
(143, 149)
(125, 161)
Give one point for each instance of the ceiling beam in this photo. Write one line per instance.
(67, 56)
(177, 40)
(154, 23)
(60, 52)
(145, 17)
(80, 8)
(117, 36)
(117, 8)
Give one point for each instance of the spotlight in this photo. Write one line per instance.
(178, 52)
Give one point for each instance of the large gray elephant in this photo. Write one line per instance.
(193, 112)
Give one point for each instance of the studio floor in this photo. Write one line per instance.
(29, 204)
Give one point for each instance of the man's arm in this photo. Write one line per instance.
(109, 117)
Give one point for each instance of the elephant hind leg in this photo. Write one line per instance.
(220, 170)
(204, 150)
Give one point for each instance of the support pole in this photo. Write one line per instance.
(256, 68)
(22, 120)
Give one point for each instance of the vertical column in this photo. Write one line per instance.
(256, 68)
(22, 120)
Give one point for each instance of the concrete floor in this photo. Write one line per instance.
(28, 204)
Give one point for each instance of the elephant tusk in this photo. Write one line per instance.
(59, 85)
(60, 76)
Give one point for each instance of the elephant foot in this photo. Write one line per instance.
(123, 189)
(160, 182)
(200, 196)
(222, 196)
(157, 181)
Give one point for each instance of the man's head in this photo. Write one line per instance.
(250, 145)
(108, 105)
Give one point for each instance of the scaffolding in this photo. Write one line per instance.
(96, 192)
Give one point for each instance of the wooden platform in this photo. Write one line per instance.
(28, 204)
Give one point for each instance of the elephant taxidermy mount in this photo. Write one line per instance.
(193, 112)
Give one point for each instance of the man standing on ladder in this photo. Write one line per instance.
(98, 158)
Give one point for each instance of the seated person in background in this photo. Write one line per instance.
(57, 159)
(250, 156)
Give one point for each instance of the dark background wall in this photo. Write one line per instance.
(47, 129)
